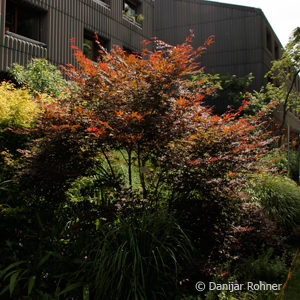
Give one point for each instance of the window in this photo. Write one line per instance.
(90, 46)
(269, 40)
(130, 8)
(103, 2)
(133, 10)
(24, 20)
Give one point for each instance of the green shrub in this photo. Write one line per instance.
(95, 188)
(240, 295)
(137, 258)
(40, 77)
(280, 160)
(30, 281)
(37, 259)
(294, 164)
(19, 110)
(280, 197)
(266, 267)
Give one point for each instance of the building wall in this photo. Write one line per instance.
(66, 19)
(240, 33)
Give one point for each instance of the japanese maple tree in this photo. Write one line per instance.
(147, 106)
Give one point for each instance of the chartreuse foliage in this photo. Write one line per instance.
(18, 109)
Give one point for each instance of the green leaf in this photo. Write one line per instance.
(13, 281)
(2, 273)
(70, 288)
(4, 290)
(31, 283)
(9, 274)
(97, 223)
(86, 292)
(44, 259)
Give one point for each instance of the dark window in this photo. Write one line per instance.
(133, 10)
(10, 21)
(90, 46)
(105, 2)
(24, 20)
(269, 40)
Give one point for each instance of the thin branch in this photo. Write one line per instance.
(108, 161)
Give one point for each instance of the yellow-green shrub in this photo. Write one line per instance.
(18, 108)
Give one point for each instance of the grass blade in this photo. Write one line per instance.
(31, 283)
(13, 281)
(70, 288)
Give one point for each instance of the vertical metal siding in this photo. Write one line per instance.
(19, 51)
(67, 19)
(2, 21)
(238, 47)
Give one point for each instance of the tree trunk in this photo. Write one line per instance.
(285, 107)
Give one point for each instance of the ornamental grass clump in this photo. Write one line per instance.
(280, 197)
(137, 258)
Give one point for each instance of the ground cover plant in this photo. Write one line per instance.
(128, 187)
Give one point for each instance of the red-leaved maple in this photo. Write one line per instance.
(147, 106)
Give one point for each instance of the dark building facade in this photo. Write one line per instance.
(244, 40)
(44, 28)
